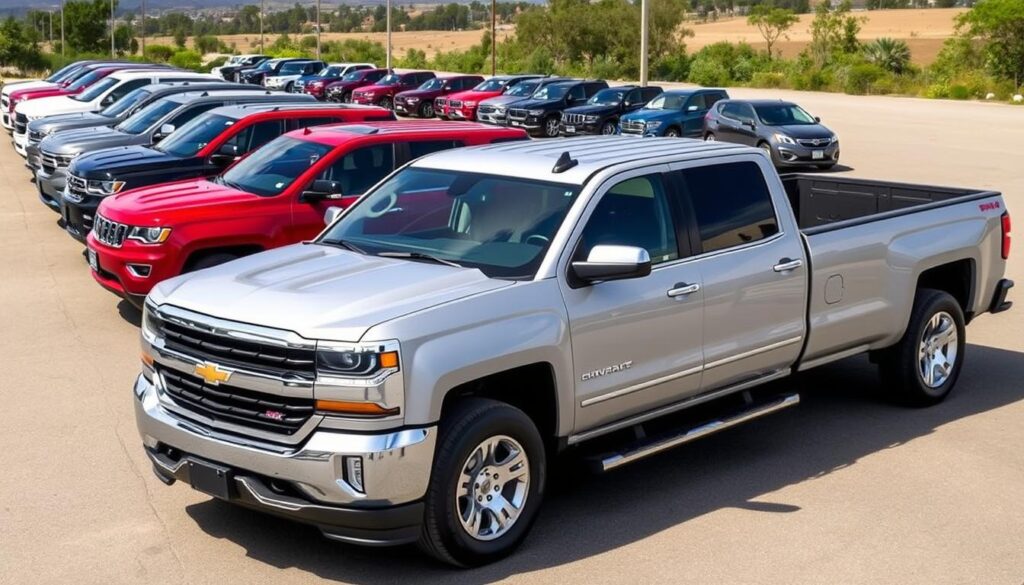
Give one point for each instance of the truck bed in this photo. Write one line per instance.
(823, 203)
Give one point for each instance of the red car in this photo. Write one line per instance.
(340, 90)
(462, 105)
(383, 92)
(277, 195)
(420, 101)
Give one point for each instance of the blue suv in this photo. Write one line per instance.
(679, 112)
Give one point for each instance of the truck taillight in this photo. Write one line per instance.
(1006, 235)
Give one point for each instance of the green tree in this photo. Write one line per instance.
(86, 24)
(999, 26)
(206, 44)
(833, 31)
(17, 47)
(123, 39)
(180, 38)
(892, 55)
(771, 22)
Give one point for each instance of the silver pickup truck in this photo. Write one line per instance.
(407, 376)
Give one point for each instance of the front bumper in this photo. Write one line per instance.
(33, 158)
(797, 155)
(531, 123)
(365, 100)
(20, 142)
(51, 186)
(112, 271)
(492, 118)
(306, 483)
(407, 108)
(7, 120)
(462, 113)
(583, 129)
(79, 215)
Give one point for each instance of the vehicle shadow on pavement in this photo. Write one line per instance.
(841, 419)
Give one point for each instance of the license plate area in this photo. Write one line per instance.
(210, 478)
(817, 154)
(94, 261)
(570, 129)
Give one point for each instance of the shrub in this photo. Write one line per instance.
(159, 53)
(708, 72)
(959, 92)
(889, 54)
(857, 79)
(768, 79)
(187, 60)
(675, 67)
(206, 44)
(219, 61)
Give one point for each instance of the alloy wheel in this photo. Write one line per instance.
(493, 485)
(937, 352)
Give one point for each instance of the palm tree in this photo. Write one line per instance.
(889, 54)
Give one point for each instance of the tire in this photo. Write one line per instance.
(210, 260)
(673, 133)
(288, 88)
(427, 110)
(464, 431)
(767, 148)
(710, 137)
(385, 102)
(347, 97)
(904, 367)
(608, 128)
(551, 124)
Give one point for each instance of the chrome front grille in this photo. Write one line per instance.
(20, 123)
(517, 114)
(486, 110)
(573, 119)
(52, 162)
(814, 142)
(454, 104)
(76, 189)
(632, 126)
(109, 232)
(35, 136)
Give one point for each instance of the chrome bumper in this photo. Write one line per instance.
(395, 465)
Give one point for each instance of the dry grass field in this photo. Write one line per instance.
(924, 31)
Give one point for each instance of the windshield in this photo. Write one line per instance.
(523, 89)
(126, 103)
(96, 90)
(265, 66)
(551, 92)
(64, 73)
(500, 225)
(292, 68)
(391, 79)
(490, 85)
(332, 71)
(354, 76)
(274, 167)
(85, 81)
(784, 115)
(194, 135)
(435, 83)
(142, 120)
(608, 97)
(667, 101)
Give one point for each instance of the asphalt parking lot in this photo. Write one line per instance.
(844, 488)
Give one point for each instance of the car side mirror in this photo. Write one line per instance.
(749, 123)
(225, 155)
(817, 119)
(164, 132)
(321, 190)
(332, 214)
(613, 263)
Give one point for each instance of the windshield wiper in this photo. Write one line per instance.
(419, 256)
(344, 244)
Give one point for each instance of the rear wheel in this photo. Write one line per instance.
(487, 484)
(922, 368)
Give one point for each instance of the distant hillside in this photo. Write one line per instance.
(19, 7)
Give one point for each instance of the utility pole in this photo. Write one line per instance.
(643, 43)
(494, 37)
(317, 29)
(61, 28)
(51, 28)
(389, 34)
(261, 25)
(111, 29)
(143, 28)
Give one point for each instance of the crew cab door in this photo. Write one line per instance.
(752, 264)
(693, 116)
(636, 343)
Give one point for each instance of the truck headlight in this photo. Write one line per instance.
(590, 119)
(535, 112)
(783, 139)
(357, 380)
(149, 235)
(150, 326)
(652, 125)
(353, 362)
(104, 187)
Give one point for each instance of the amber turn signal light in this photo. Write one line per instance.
(389, 359)
(359, 408)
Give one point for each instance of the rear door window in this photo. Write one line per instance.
(361, 169)
(424, 147)
(731, 204)
(182, 118)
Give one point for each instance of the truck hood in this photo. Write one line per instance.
(530, 104)
(425, 94)
(321, 292)
(592, 109)
(36, 84)
(113, 163)
(473, 96)
(504, 100)
(164, 203)
(82, 139)
(53, 105)
(64, 122)
(652, 115)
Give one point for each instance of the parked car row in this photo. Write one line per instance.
(479, 303)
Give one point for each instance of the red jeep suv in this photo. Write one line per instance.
(277, 195)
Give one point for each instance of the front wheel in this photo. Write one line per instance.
(673, 133)
(710, 137)
(551, 126)
(288, 88)
(922, 368)
(385, 102)
(608, 128)
(427, 110)
(487, 484)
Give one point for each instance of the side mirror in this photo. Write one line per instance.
(613, 263)
(163, 132)
(749, 123)
(332, 214)
(322, 190)
(817, 119)
(225, 155)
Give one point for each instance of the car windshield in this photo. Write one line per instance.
(523, 89)
(292, 68)
(354, 76)
(142, 120)
(499, 225)
(273, 168)
(265, 66)
(194, 135)
(551, 92)
(85, 81)
(331, 71)
(435, 83)
(126, 103)
(783, 115)
(608, 97)
(667, 101)
(96, 90)
(64, 73)
(392, 79)
(490, 85)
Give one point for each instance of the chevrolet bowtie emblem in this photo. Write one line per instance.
(212, 373)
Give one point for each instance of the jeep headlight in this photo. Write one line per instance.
(104, 187)
(590, 119)
(149, 235)
(500, 110)
(412, 100)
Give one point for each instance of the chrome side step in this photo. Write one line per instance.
(611, 461)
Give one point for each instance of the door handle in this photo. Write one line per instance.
(682, 289)
(785, 265)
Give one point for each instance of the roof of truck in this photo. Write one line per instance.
(332, 134)
(239, 111)
(536, 159)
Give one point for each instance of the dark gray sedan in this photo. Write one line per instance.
(784, 130)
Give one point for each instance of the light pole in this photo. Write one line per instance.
(143, 28)
(261, 25)
(494, 38)
(111, 29)
(317, 29)
(389, 34)
(61, 28)
(643, 43)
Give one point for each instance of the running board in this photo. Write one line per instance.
(610, 461)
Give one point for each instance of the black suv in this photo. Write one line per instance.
(268, 68)
(601, 113)
(233, 72)
(542, 113)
